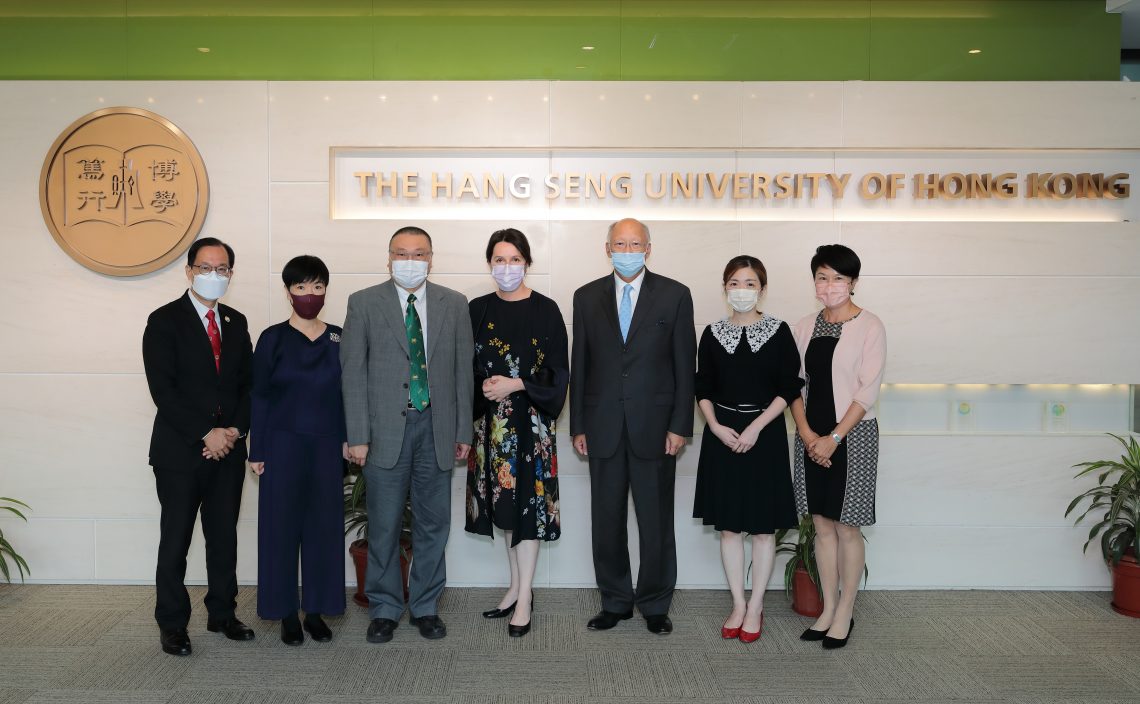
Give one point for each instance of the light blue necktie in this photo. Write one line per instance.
(625, 311)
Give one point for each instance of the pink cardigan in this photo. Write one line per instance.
(857, 365)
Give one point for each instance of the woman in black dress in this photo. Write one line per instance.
(297, 448)
(748, 373)
(521, 373)
(843, 349)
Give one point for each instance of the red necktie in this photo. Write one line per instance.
(215, 339)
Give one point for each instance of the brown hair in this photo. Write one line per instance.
(745, 261)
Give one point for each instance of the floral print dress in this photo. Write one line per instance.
(512, 472)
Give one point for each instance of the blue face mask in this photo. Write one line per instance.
(627, 264)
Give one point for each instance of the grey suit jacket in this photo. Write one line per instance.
(375, 375)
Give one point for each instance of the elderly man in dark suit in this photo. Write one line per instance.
(631, 408)
(408, 379)
(198, 361)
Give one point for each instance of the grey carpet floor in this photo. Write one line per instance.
(96, 644)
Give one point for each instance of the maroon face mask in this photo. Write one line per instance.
(309, 305)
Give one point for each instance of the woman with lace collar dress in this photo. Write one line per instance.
(747, 374)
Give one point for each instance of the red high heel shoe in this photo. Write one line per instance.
(747, 637)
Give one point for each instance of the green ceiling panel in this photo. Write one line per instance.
(519, 39)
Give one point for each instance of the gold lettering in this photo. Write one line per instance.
(925, 186)
(718, 187)
(782, 182)
(838, 184)
(739, 186)
(493, 182)
(468, 186)
(1004, 186)
(1066, 180)
(1117, 186)
(979, 186)
(1037, 186)
(813, 179)
(363, 177)
(1090, 186)
(381, 184)
(573, 186)
(655, 191)
(865, 186)
(894, 185)
(953, 186)
(760, 185)
(620, 186)
(681, 183)
(438, 184)
(596, 184)
(409, 185)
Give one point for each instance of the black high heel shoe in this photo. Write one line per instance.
(813, 635)
(830, 643)
(500, 613)
(519, 631)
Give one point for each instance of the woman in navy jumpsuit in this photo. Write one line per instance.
(297, 446)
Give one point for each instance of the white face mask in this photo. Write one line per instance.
(508, 276)
(743, 300)
(409, 273)
(210, 286)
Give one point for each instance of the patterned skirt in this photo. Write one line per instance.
(844, 492)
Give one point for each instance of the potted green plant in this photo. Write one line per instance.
(6, 549)
(356, 520)
(1115, 503)
(801, 575)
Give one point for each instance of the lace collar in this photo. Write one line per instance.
(728, 335)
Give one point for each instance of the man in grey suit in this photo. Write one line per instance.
(631, 408)
(407, 376)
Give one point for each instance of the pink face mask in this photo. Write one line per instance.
(832, 295)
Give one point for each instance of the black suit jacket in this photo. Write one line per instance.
(645, 382)
(186, 386)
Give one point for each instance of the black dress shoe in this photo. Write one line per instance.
(605, 620)
(232, 628)
(830, 643)
(659, 624)
(811, 634)
(519, 631)
(500, 613)
(431, 627)
(175, 641)
(291, 633)
(317, 628)
(380, 630)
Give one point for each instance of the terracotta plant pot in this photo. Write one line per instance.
(1126, 586)
(805, 595)
(359, 551)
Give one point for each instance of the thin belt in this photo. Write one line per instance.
(741, 407)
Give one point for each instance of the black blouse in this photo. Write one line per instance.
(752, 364)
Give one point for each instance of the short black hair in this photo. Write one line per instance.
(512, 237)
(305, 269)
(410, 230)
(208, 242)
(842, 259)
(745, 261)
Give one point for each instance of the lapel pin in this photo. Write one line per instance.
(226, 318)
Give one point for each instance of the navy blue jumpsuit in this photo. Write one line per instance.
(297, 429)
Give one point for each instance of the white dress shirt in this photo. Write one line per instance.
(421, 306)
(636, 283)
(202, 310)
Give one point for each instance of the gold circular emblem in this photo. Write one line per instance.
(123, 191)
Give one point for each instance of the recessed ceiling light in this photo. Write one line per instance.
(150, 100)
(648, 96)
(579, 67)
(587, 48)
(204, 49)
(974, 51)
(435, 98)
(696, 96)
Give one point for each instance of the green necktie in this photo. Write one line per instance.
(418, 393)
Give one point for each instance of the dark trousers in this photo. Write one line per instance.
(301, 508)
(651, 481)
(388, 488)
(215, 488)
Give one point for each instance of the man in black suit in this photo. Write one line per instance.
(631, 408)
(198, 361)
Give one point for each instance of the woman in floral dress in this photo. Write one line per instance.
(521, 372)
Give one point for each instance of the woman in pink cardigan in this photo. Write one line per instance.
(842, 352)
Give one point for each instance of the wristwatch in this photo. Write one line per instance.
(837, 438)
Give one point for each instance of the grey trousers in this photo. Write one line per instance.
(431, 510)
